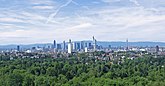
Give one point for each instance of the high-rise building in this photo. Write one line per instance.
(70, 47)
(82, 45)
(54, 44)
(18, 48)
(59, 46)
(157, 49)
(90, 45)
(64, 46)
(74, 46)
(94, 43)
(78, 45)
(86, 44)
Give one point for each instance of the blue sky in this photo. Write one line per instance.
(41, 21)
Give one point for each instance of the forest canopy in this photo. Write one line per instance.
(82, 72)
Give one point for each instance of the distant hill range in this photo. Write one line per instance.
(102, 43)
(138, 44)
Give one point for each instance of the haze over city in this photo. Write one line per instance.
(42, 21)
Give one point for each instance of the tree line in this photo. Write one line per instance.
(146, 71)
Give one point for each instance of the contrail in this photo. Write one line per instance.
(56, 12)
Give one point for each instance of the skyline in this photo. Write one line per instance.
(42, 21)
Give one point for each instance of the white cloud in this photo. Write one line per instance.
(135, 2)
(41, 2)
(7, 19)
(80, 26)
(43, 7)
(106, 23)
(110, 1)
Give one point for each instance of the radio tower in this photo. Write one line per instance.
(127, 46)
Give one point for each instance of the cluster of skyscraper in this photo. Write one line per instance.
(71, 47)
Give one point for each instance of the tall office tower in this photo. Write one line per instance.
(64, 46)
(59, 46)
(127, 46)
(78, 45)
(157, 49)
(54, 44)
(90, 45)
(86, 44)
(18, 48)
(74, 46)
(82, 45)
(70, 47)
(94, 44)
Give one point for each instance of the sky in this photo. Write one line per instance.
(42, 21)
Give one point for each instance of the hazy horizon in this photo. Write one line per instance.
(77, 41)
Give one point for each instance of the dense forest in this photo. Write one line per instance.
(146, 71)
